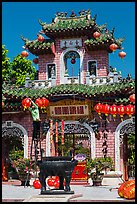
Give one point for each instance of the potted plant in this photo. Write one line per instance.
(24, 167)
(95, 168)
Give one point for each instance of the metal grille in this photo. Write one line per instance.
(126, 129)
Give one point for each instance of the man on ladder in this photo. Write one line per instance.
(36, 128)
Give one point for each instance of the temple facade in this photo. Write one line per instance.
(74, 74)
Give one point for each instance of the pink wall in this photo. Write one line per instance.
(101, 56)
(26, 121)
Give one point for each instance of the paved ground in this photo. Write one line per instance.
(82, 193)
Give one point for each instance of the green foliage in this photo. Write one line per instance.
(6, 66)
(20, 68)
(82, 150)
(16, 154)
(95, 166)
(23, 165)
(15, 72)
(131, 149)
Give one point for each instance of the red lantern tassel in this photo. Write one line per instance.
(121, 117)
(25, 108)
(107, 120)
(100, 115)
(114, 117)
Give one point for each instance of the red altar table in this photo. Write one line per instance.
(80, 172)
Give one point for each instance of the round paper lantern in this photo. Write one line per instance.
(113, 47)
(24, 54)
(40, 38)
(122, 54)
(130, 110)
(121, 110)
(96, 34)
(50, 181)
(37, 184)
(39, 102)
(123, 187)
(73, 61)
(98, 108)
(26, 103)
(129, 192)
(113, 110)
(45, 102)
(132, 98)
(105, 109)
(36, 60)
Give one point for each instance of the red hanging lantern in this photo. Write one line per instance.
(122, 54)
(40, 38)
(98, 108)
(113, 47)
(37, 184)
(39, 102)
(105, 109)
(25, 54)
(45, 102)
(96, 34)
(121, 110)
(73, 61)
(113, 110)
(130, 110)
(36, 60)
(132, 98)
(26, 103)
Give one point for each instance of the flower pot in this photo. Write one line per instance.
(97, 182)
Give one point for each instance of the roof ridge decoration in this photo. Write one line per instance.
(83, 13)
(61, 21)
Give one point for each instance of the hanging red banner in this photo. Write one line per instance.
(51, 132)
(56, 127)
(62, 131)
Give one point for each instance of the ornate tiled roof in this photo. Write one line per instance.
(37, 48)
(103, 42)
(117, 92)
(65, 26)
(73, 26)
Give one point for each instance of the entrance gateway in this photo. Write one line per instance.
(78, 132)
(74, 74)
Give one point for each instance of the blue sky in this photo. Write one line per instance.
(21, 18)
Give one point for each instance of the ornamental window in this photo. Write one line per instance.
(92, 66)
(51, 70)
